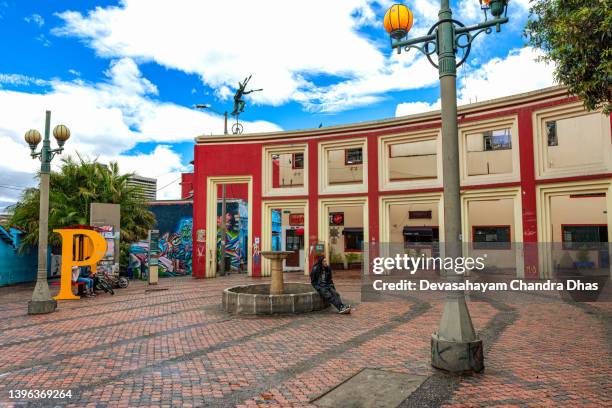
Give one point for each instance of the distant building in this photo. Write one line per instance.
(148, 186)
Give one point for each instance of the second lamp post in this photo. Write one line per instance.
(42, 302)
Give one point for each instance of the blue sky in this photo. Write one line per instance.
(124, 75)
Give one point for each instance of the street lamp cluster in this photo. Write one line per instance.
(455, 347)
(42, 302)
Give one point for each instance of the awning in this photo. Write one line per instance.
(418, 231)
(352, 230)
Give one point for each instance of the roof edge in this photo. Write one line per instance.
(525, 97)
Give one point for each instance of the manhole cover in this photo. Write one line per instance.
(371, 388)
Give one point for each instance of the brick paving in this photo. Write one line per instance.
(176, 347)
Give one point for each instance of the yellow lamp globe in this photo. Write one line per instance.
(398, 21)
(61, 134)
(32, 137)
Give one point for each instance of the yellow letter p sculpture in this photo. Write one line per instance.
(90, 248)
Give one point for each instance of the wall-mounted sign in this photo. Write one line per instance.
(296, 220)
(336, 218)
(419, 215)
(201, 235)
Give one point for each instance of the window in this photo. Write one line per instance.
(412, 160)
(491, 237)
(551, 133)
(353, 239)
(285, 169)
(497, 140)
(297, 161)
(353, 156)
(584, 236)
(294, 241)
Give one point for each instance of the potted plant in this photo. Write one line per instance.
(350, 259)
(583, 260)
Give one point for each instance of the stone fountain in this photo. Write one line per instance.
(277, 297)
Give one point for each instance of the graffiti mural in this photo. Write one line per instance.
(175, 224)
(175, 247)
(236, 224)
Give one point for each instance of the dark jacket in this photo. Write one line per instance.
(321, 276)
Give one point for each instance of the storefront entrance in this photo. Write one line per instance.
(285, 228)
(236, 221)
(343, 226)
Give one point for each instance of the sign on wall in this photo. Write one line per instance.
(296, 220)
(336, 218)
(416, 215)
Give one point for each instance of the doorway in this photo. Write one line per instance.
(285, 228)
(343, 227)
(236, 223)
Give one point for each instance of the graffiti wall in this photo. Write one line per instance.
(175, 223)
(236, 238)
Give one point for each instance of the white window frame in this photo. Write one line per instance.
(267, 168)
(324, 148)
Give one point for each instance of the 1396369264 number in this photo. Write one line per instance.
(40, 394)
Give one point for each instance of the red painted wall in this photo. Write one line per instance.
(186, 185)
(219, 160)
(234, 191)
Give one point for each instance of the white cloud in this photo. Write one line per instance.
(106, 119)
(518, 72)
(162, 163)
(44, 40)
(18, 79)
(283, 45)
(410, 108)
(35, 19)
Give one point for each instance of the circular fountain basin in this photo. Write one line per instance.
(257, 300)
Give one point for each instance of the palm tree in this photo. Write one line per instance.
(78, 184)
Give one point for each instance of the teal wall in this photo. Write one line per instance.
(15, 267)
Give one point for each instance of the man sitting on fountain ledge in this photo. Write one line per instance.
(321, 280)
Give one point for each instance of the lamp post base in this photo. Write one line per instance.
(42, 306)
(456, 357)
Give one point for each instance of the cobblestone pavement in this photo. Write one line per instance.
(174, 346)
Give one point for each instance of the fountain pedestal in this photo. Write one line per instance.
(276, 263)
(277, 297)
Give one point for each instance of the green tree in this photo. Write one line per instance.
(72, 189)
(577, 36)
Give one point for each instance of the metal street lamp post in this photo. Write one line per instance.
(42, 302)
(455, 347)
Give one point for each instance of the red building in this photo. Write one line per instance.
(535, 167)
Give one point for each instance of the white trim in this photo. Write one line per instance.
(266, 229)
(512, 193)
(211, 220)
(540, 143)
(326, 203)
(324, 147)
(481, 126)
(544, 193)
(384, 165)
(266, 170)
